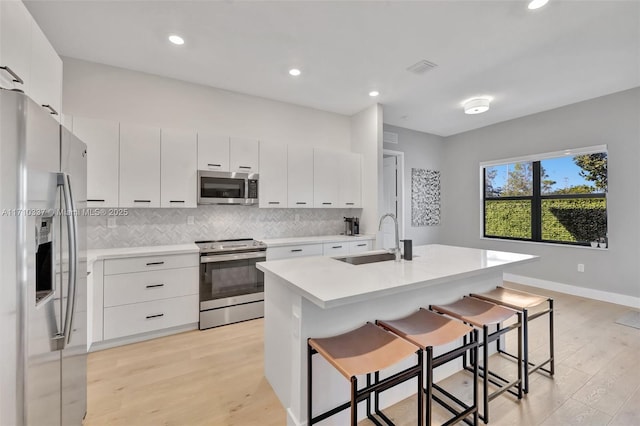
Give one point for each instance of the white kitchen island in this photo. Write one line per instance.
(322, 296)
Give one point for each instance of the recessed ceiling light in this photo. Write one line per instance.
(176, 39)
(374, 93)
(476, 106)
(295, 72)
(537, 4)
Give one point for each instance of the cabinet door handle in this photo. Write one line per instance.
(50, 108)
(349, 204)
(301, 202)
(95, 200)
(274, 202)
(244, 167)
(326, 204)
(16, 77)
(155, 316)
(155, 263)
(155, 285)
(141, 201)
(362, 245)
(336, 247)
(176, 201)
(214, 165)
(295, 250)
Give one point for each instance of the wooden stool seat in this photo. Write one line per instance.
(364, 350)
(476, 312)
(512, 298)
(425, 328)
(482, 315)
(522, 301)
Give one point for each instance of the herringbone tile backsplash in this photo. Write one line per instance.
(151, 227)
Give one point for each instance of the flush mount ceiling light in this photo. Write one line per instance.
(476, 105)
(537, 4)
(374, 93)
(176, 39)
(295, 72)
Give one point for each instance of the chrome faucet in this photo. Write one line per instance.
(396, 249)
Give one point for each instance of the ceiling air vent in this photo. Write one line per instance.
(389, 137)
(421, 67)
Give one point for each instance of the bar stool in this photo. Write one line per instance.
(365, 350)
(523, 301)
(483, 314)
(426, 329)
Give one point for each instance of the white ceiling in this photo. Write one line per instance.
(528, 61)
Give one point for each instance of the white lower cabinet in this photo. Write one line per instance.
(360, 246)
(335, 249)
(126, 320)
(299, 250)
(142, 294)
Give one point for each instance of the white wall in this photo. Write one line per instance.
(366, 139)
(613, 120)
(110, 93)
(422, 151)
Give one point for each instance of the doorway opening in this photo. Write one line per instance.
(393, 198)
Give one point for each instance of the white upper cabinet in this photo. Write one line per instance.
(325, 178)
(300, 176)
(139, 166)
(243, 155)
(273, 175)
(213, 152)
(45, 86)
(178, 180)
(350, 177)
(102, 139)
(15, 45)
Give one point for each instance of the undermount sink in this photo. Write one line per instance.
(367, 258)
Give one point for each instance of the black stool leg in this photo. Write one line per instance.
(475, 378)
(552, 369)
(354, 402)
(485, 370)
(525, 332)
(520, 332)
(429, 387)
(309, 383)
(421, 407)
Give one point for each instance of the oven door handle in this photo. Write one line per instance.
(233, 256)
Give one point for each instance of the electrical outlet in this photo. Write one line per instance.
(111, 222)
(190, 220)
(580, 267)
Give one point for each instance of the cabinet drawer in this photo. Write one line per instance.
(285, 252)
(126, 320)
(150, 263)
(139, 287)
(360, 246)
(335, 249)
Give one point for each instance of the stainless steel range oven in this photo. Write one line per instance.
(231, 287)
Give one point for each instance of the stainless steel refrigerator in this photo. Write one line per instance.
(43, 297)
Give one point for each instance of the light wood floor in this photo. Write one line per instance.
(215, 377)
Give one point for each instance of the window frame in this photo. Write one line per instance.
(537, 197)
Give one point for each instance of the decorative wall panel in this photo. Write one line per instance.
(425, 197)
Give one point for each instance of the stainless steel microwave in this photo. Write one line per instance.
(227, 188)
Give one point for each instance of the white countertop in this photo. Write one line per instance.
(115, 253)
(277, 242)
(328, 282)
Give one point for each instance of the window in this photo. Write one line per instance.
(556, 197)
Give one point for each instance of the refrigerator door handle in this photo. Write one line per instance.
(70, 213)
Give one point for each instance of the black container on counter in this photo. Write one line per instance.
(408, 249)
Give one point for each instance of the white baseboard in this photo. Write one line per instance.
(108, 344)
(589, 293)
